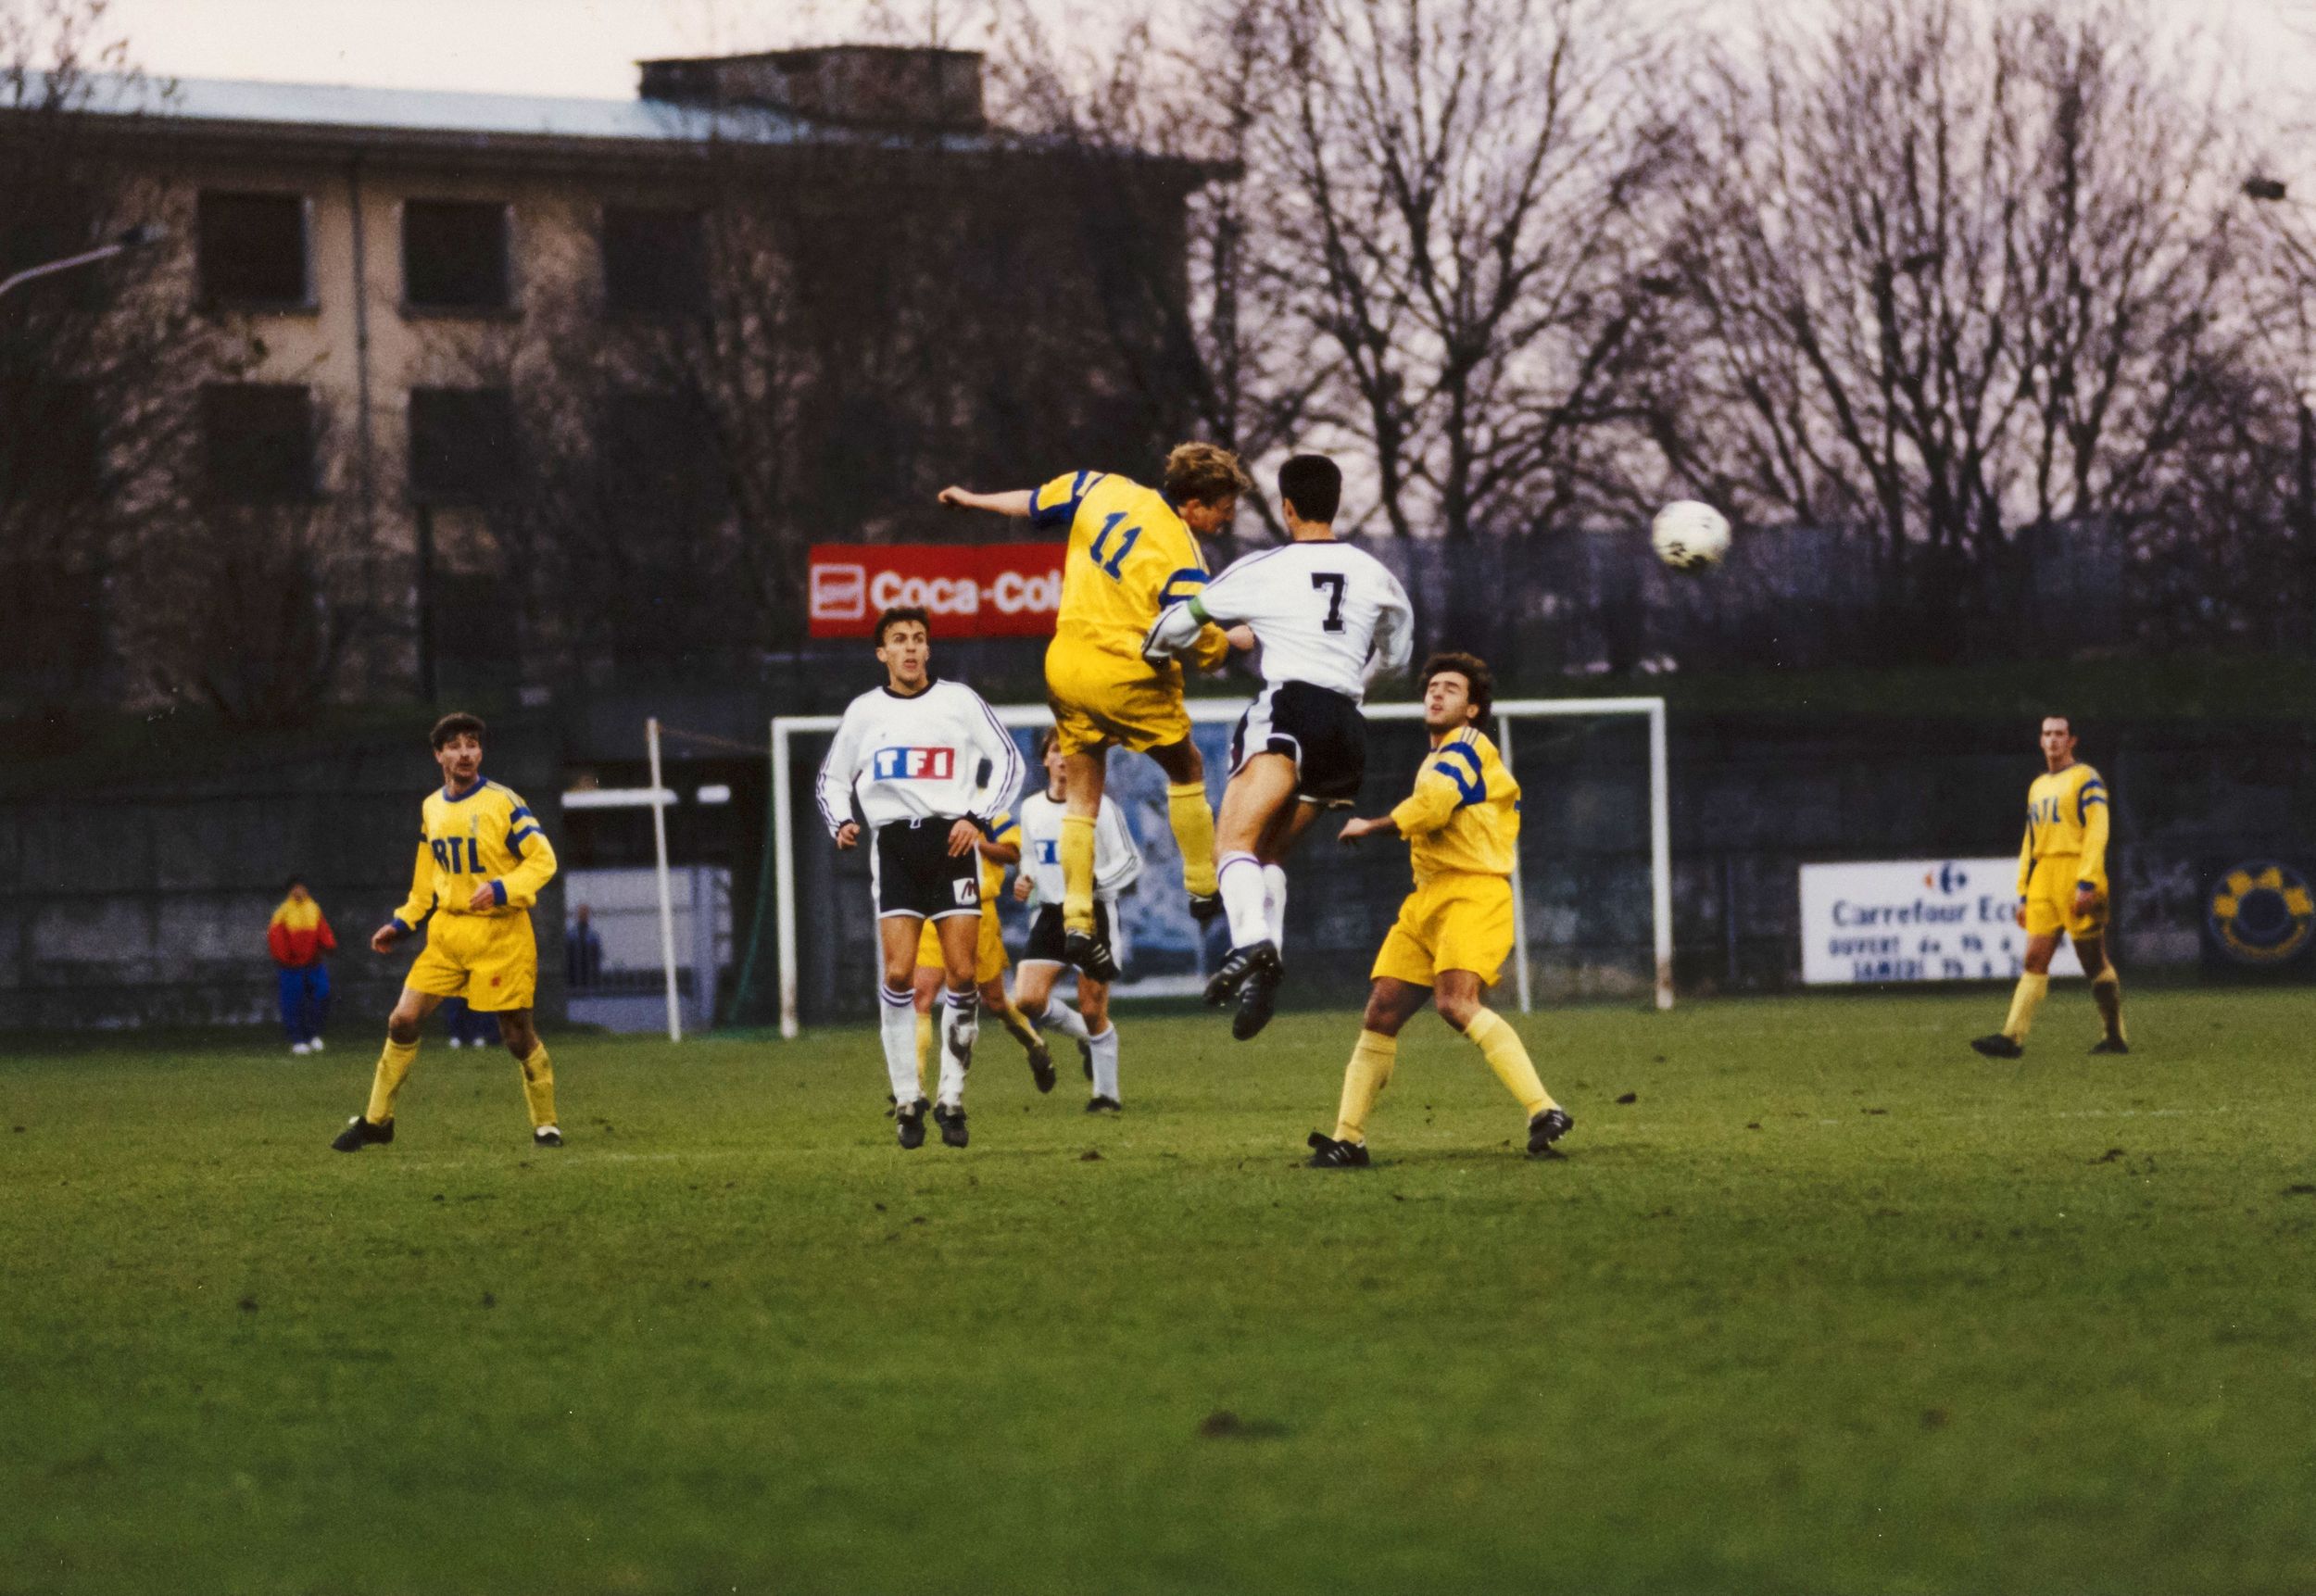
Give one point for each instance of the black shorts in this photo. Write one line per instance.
(1045, 932)
(911, 871)
(1320, 730)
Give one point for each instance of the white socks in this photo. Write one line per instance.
(899, 1026)
(1275, 903)
(1059, 1016)
(1240, 875)
(1105, 1048)
(961, 1024)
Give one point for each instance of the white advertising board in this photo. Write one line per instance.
(1915, 920)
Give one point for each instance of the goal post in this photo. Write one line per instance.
(1508, 714)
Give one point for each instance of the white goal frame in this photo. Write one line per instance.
(1225, 711)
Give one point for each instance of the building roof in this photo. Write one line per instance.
(328, 120)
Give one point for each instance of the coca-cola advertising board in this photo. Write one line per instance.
(973, 590)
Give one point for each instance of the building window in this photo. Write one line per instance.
(654, 261)
(50, 447)
(252, 249)
(462, 445)
(454, 256)
(257, 442)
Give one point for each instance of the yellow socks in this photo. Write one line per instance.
(924, 1047)
(393, 1065)
(1078, 871)
(1499, 1044)
(1014, 1021)
(538, 1085)
(1364, 1080)
(2023, 1003)
(2106, 991)
(1193, 822)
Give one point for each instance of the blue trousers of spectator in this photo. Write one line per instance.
(305, 1001)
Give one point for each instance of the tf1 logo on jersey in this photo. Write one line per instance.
(915, 765)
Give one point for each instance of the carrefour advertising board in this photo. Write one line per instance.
(1915, 920)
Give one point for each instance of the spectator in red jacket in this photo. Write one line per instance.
(297, 937)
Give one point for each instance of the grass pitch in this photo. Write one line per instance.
(1830, 1305)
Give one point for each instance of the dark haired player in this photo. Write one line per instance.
(2062, 886)
(1463, 825)
(1330, 619)
(481, 861)
(926, 765)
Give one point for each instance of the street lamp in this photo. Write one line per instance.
(136, 237)
(2261, 189)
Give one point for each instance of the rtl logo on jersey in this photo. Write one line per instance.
(915, 765)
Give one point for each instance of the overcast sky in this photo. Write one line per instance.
(589, 47)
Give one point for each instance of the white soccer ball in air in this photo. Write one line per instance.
(1688, 535)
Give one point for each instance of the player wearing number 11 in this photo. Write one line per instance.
(1132, 554)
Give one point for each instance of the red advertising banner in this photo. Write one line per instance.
(973, 590)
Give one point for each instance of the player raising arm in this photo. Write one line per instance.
(1462, 825)
(2062, 886)
(1330, 619)
(927, 765)
(1132, 553)
(481, 859)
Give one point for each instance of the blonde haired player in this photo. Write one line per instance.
(481, 859)
(1132, 554)
(1000, 846)
(1453, 933)
(2062, 886)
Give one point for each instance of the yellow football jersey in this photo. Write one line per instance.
(1464, 813)
(2067, 815)
(1130, 557)
(1005, 831)
(484, 834)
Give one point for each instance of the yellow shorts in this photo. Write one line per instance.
(1099, 698)
(1450, 923)
(492, 961)
(988, 960)
(2050, 900)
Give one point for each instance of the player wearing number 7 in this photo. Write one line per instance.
(1330, 619)
(1132, 555)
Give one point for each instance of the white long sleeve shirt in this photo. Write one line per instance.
(1325, 613)
(937, 755)
(1117, 862)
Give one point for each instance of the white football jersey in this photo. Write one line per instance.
(1325, 613)
(938, 755)
(1116, 860)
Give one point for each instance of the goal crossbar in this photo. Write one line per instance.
(1213, 712)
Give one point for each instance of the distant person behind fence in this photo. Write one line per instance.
(582, 952)
(297, 937)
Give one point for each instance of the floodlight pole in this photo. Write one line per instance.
(660, 796)
(134, 238)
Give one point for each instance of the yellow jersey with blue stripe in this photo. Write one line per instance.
(2067, 819)
(1464, 817)
(1131, 556)
(486, 835)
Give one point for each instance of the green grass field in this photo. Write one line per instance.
(1833, 1305)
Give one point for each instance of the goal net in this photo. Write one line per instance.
(1593, 881)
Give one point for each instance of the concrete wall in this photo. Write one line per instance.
(139, 896)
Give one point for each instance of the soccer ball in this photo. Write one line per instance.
(1689, 536)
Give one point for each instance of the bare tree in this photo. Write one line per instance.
(1955, 277)
(1476, 192)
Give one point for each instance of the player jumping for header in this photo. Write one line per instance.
(1462, 825)
(1329, 619)
(2062, 886)
(481, 859)
(928, 765)
(1132, 554)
